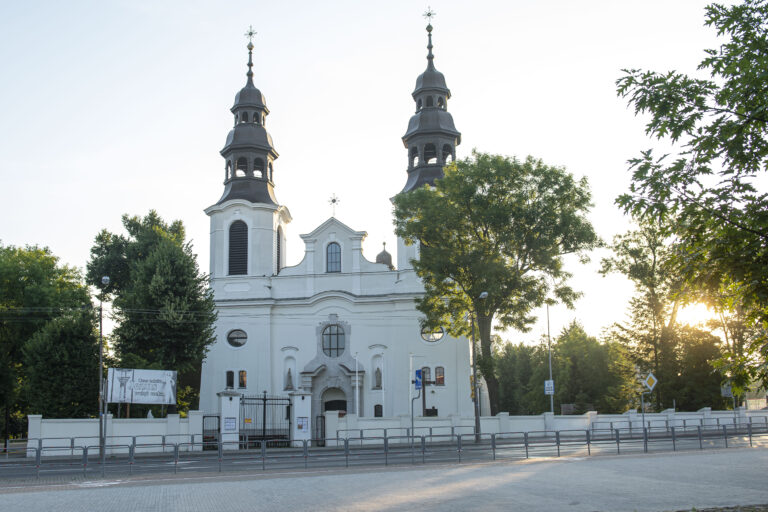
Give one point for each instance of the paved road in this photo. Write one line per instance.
(641, 482)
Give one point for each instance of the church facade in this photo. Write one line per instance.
(337, 326)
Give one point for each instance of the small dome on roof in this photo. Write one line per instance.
(431, 79)
(385, 258)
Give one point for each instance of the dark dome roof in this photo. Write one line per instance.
(431, 79)
(431, 120)
(249, 135)
(385, 258)
(249, 96)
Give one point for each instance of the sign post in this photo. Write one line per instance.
(417, 385)
(549, 387)
(649, 382)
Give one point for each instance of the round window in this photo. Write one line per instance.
(237, 338)
(432, 334)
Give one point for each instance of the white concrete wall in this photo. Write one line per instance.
(70, 436)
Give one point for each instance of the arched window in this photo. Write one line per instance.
(439, 376)
(430, 101)
(256, 118)
(333, 340)
(430, 154)
(333, 257)
(242, 167)
(441, 102)
(378, 411)
(242, 379)
(228, 170)
(270, 171)
(418, 105)
(426, 374)
(258, 168)
(230, 379)
(278, 249)
(245, 117)
(414, 157)
(238, 248)
(447, 154)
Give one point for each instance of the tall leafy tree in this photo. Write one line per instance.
(643, 256)
(718, 125)
(164, 309)
(34, 289)
(501, 226)
(61, 361)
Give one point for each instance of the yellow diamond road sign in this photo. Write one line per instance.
(650, 381)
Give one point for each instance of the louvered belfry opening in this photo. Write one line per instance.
(238, 248)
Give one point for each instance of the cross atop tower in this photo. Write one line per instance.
(250, 34)
(334, 202)
(429, 14)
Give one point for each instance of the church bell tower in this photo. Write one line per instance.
(247, 223)
(431, 137)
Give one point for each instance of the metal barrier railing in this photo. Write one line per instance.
(126, 454)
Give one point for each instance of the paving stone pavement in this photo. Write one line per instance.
(643, 482)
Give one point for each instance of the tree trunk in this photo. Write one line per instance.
(485, 362)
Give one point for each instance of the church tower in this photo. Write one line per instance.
(247, 223)
(431, 138)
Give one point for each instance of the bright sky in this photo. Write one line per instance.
(122, 106)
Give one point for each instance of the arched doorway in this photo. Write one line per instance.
(334, 399)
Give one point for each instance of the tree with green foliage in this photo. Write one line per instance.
(164, 309)
(501, 226)
(643, 256)
(698, 383)
(34, 289)
(587, 373)
(61, 361)
(711, 186)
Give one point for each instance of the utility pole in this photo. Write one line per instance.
(102, 398)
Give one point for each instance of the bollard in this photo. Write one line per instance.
(458, 446)
(132, 456)
(725, 435)
(386, 451)
(645, 440)
(176, 458)
(589, 446)
(163, 444)
(557, 440)
(493, 445)
(525, 438)
(306, 452)
(221, 454)
(423, 448)
(749, 432)
(698, 428)
(72, 446)
(674, 443)
(85, 459)
(38, 458)
(618, 442)
(263, 455)
(346, 451)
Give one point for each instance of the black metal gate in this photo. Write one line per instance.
(211, 429)
(265, 417)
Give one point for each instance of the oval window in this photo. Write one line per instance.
(432, 335)
(237, 338)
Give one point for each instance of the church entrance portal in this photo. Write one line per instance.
(334, 399)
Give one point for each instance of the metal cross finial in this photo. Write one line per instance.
(250, 34)
(429, 14)
(334, 201)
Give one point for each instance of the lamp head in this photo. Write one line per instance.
(105, 280)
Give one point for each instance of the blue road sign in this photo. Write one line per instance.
(417, 380)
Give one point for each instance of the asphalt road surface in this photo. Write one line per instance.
(630, 482)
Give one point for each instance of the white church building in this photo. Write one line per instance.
(337, 327)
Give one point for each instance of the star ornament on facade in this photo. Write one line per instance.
(334, 201)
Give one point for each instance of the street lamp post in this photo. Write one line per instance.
(102, 425)
(549, 350)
